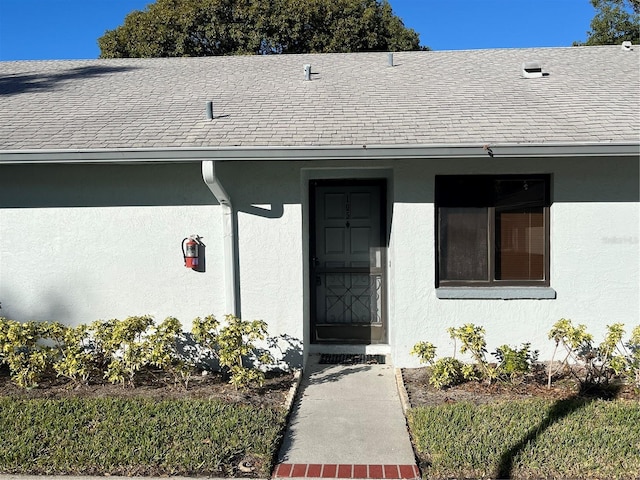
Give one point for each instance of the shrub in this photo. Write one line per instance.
(592, 365)
(232, 344)
(473, 341)
(162, 350)
(102, 331)
(133, 343)
(121, 348)
(32, 348)
(633, 369)
(514, 362)
(27, 359)
(205, 332)
(74, 359)
(446, 372)
(426, 351)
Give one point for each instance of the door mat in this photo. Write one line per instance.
(350, 359)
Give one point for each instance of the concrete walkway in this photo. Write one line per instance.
(347, 423)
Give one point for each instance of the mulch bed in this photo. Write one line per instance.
(421, 393)
(157, 385)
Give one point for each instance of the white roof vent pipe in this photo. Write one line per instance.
(531, 70)
(390, 59)
(307, 72)
(627, 46)
(209, 110)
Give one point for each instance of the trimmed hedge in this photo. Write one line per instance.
(117, 350)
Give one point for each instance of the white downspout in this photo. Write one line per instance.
(213, 182)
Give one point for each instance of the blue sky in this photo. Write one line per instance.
(68, 29)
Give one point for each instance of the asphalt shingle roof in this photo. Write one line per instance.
(590, 95)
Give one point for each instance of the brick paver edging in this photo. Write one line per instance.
(315, 470)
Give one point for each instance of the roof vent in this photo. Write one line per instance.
(209, 110)
(390, 59)
(307, 72)
(531, 70)
(627, 46)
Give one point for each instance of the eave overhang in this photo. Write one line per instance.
(318, 153)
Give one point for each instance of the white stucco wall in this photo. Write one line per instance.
(595, 257)
(266, 198)
(80, 243)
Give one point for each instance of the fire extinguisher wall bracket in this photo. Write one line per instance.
(190, 251)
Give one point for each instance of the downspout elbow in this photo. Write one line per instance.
(213, 182)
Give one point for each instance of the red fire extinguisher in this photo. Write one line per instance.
(190, 251)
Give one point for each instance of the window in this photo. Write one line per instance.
(492, 230)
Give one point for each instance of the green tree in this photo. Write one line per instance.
(193, 28)
(616, 21)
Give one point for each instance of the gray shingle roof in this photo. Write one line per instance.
(591, 95)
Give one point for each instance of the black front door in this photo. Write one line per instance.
(348, 251)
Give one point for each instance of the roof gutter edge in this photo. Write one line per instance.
(364, 152)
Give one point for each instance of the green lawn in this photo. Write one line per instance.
(136, 436)
(576, 438)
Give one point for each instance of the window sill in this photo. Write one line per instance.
(496, 293)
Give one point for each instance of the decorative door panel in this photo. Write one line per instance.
(347, 264)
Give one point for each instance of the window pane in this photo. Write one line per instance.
(492, 229)
(463, 243)
(520, 244)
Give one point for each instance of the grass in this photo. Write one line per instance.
(135, 436)
(576, 438)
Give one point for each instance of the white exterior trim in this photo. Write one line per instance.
(496, 293)
(364, 152)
